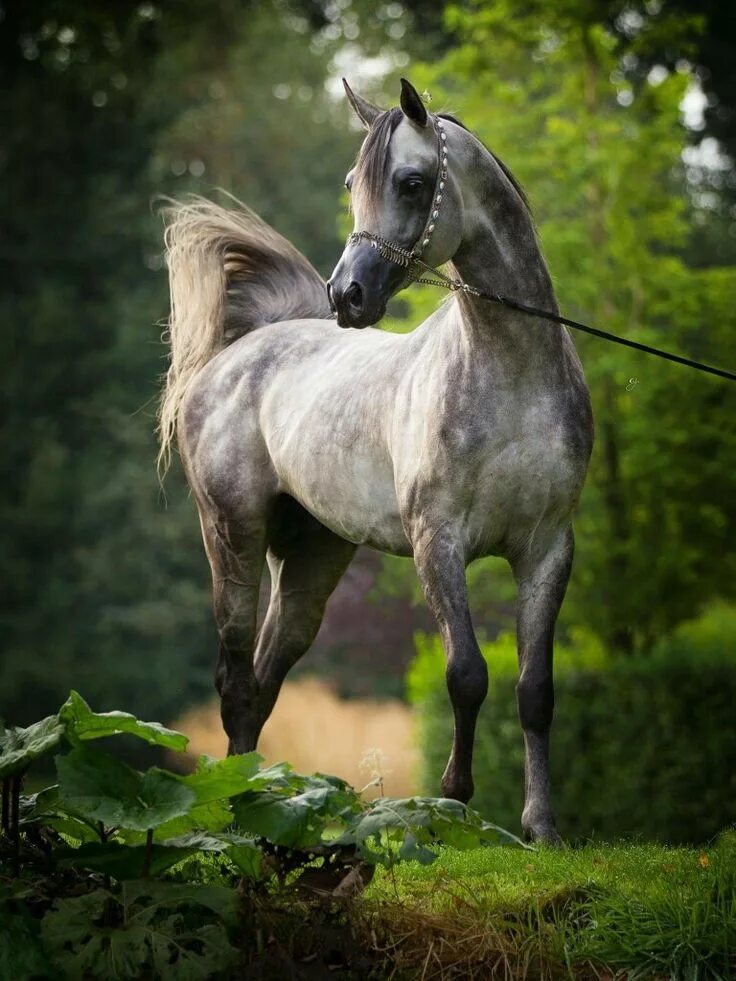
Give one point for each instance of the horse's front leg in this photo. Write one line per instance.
(542, 584)
(440, 564)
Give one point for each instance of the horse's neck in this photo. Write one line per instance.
(504, 257)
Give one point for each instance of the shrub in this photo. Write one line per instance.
(640, 746)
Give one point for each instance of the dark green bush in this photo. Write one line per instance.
(641, 746)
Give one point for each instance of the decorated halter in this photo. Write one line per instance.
(397, 253)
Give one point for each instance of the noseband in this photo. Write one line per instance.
(397, 253)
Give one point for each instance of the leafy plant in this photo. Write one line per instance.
(123, 829)
(175, 931)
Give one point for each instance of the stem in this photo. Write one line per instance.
(16, 784)
(6, 805)
(103, 838)
(149, 853)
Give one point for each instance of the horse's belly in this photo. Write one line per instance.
(350, 492)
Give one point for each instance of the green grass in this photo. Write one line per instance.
(646, 911)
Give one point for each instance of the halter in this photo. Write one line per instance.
(409, 257)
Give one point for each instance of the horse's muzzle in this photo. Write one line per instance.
(361, 286)
(349, 305)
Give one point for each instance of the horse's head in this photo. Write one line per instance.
(406, 201)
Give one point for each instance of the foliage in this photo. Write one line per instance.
(83, 724)
(116, 908)
(122, 828)
(174, 931)
(640, 747)
(105, 107)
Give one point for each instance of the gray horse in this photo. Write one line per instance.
(300, 439)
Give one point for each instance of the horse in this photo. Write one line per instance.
(305, 432)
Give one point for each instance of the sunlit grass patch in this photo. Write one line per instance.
(510, 876)
(643, 909)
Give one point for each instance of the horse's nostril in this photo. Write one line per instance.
(354, 296)
(330, 299)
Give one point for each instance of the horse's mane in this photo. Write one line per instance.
(371, 163)
(511, 178)
(370, 167)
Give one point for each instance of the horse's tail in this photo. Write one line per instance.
(229, 272)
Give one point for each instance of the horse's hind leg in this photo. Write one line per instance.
(236, 552)
(306, 561)
(542, 584)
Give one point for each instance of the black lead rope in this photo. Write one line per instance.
(458, 286)
(596, 332)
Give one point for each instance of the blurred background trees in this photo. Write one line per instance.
(104, 107)
(619, 118)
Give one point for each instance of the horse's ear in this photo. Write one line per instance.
(411, 104)
(364, 110)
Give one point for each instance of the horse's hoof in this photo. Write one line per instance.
(542, 833)
(238, 747)
(456, 788)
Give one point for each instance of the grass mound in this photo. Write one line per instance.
(645, 911)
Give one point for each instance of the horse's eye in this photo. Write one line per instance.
(349, 181)
(411, 185)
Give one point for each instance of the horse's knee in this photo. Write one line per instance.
(535, 697)
(467, 679)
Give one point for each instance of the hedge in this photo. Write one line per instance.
(641, 747)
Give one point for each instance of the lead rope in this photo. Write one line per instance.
(438, 278)
(435, 277)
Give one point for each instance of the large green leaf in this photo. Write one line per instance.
(297, 820)
(21, 954)
(80, 945)
(102, 788)
(220, 900)
(143, 932)
(46, 809)
(203, 817)
(417, 823)
(123, 861)
(19, 747)
(127, 862)
(202, 841)
(248, 857)
(215, 780)
(83, 724)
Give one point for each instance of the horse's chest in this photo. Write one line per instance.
(510, 484)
